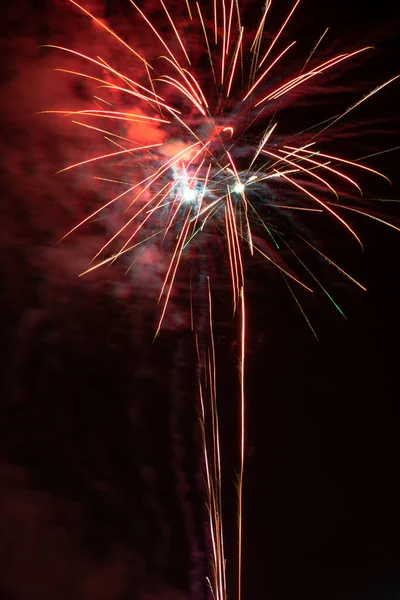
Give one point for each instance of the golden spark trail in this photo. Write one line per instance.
(242, 439)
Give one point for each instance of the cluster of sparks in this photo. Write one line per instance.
(194, 179)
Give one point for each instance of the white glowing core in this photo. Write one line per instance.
(189, 194)
(238, 188)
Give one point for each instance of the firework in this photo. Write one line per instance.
(193, 125)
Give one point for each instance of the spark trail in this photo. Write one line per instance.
(192, 118)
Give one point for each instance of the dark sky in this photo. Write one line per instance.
(99, 425)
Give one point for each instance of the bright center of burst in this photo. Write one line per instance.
(238, 188)
(189, 195)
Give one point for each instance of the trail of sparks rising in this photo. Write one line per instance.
(207, 172)
(208, 391)
(242, 438)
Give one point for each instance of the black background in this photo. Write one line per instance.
(322, 459)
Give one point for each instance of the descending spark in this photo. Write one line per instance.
(272, 44)
(111, 32)
(103, 156)
(341, 161)
(313, 197)
(363, 99)
(274, 62)
(296, 81)
(314, 49)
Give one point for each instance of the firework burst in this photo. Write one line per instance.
(195, 133)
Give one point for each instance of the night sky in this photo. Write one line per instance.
(99, 426)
